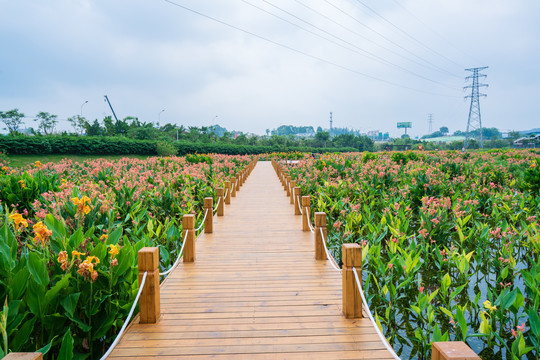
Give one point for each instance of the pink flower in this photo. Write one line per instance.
(390, 266)
(421, 289)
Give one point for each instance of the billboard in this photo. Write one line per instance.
(404, 125)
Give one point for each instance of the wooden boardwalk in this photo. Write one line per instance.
(255, 291)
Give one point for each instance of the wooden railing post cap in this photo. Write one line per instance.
(352, 255)
(320, 219)
(452, 350)
(188, 221)
(23, 356)
(148, 259)
(306, 200)
(219, 191)
(208, 202)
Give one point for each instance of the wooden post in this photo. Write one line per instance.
(297, 205)
(352, 301)
(452, 350)
(209, 212)
(233, 186)
(23, 356)
(221, 206)
(228, 192)
(188, 223)
(288, 187)
(237, 182)
(306, 208)
(148, 259)
(293, 185)
(320, 223)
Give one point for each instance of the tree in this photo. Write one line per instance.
(13, 120)
(93, 129)
(322, 137)
(444, 130)
(47, 122)
(79, 123)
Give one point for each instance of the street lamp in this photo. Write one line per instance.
(84, 103)
(159, 116)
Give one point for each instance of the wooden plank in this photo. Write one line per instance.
(255, 291)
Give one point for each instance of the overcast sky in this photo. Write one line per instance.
(372, 63)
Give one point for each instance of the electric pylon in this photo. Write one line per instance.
(430, 121)
(475, 119)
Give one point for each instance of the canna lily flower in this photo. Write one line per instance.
(42, 233)
(77, 254)
(114, 250)
(82, 208)
(38, 164)
(487, 305)
(104, 237)
(18, 220)
(62, 259)
(23, 185)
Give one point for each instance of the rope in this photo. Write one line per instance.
(226, 193)
(381, 336)
(202, 224)
(115, 342)
(328, 256)
(298, 205)
(309, 224)
(217, 205)
(180, 254)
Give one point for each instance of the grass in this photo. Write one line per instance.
(23, 160)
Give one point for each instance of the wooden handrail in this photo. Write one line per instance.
(352, 300)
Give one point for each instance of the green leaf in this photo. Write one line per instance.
(47, 347)
(416, 309)
(115, 236)
(534, 320)
(66, 350)
(76, 239)
(19, 283)
(51, 293)
(34, 297)
(69, 303)
(38, 269)
(22, 335)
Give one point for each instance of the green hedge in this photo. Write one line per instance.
(87, 145)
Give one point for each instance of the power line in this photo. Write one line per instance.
(390, 40)
(431, 29)
(408, 35)
(369, 40)
(373, 56)
(302, 52)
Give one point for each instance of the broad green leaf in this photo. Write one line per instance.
(69, 303)
(66, 350)
(52, 292)
(37, 267)
(115, 236)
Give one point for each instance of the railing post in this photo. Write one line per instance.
(149, 303)
(306, 207)
(320, 223)
(452, 350)
(352, 301)
(221, 206)
(296, 195)
(228, 192)
(209, 212)
(23, 356)
(233, 186)
(188, 223)
(237, 182)
(291, 195)
(290, 184)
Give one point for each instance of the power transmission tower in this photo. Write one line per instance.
(331, 122)
(475, 119)
(430, 120)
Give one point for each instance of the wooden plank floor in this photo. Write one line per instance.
(255, 291)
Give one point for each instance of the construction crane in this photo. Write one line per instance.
(108, 102)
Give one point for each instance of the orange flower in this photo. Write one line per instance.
(86, 268)
(82, 208)
(42, 233)
(114, 250)
(76, 254)
(23, 185)
(18, 220)
(62, 259)
(38, 164)
(104, 237)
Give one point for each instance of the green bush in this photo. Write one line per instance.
(165, 148)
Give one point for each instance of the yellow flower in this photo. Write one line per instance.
(104, 237)
(18, 220)
(38, 164)
(487, 305)
(23, 185)
(42, 233)
(114, 250)
(533, 165)
(81, 204)
(76, 254)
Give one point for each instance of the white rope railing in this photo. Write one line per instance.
(298, 205)
(217, 204)
(381, 336)
(328, 255)
(180, 254)
(126, 323)
(226, 193)
(309, 223)
(202, 223)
